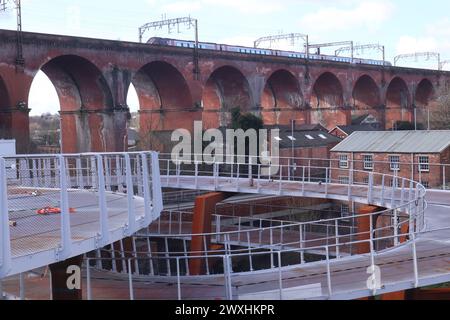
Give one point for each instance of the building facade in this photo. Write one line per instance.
(417, 155)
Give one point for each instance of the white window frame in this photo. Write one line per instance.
(422, 165)
(391, 163)
(341, 161)
(372, 167)
(344, 180)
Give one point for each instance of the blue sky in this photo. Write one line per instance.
(402, 26)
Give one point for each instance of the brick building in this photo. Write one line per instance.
(307, 142)
(419, 155)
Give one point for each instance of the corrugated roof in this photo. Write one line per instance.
(395, 142)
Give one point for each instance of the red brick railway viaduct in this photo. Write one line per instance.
(92, 78)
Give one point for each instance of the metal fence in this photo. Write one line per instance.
(54, 207)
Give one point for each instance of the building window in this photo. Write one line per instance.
(365, 181)
(424, 164)
(426, 184)
(395, 163)
(343, 161)
(344, 180)
(345, 210)
(368, 162)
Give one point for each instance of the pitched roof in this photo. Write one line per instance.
(307, 139)
(395, 142)
(353, 128)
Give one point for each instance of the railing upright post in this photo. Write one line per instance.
(130, 280)
(395, 227)
(370, 188)
(326, 182)
(280, 275)
(88, 279)
(330, 292)
(272, 265)
(66, 238)
(336, 232)
(104, 227)
(148, 201)
(157, 200)
(416, 266)
(250, 251)
(130, 197)
(5, 240)
(196, 175)
(302, 253)
(383, 188)
(178, 279)
(303, 181)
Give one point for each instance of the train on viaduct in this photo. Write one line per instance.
(177, 86)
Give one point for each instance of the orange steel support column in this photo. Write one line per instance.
(363, 224)
(204, 209)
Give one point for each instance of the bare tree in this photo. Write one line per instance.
(440, 116)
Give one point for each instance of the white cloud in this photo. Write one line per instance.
(369, 15)
(436, 38)
(408, 44)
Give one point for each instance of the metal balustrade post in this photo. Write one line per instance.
(104, 227)
(444, 180)
(92, 173)
(168, 172)
(178, 279)
(326, 182)
(396, 242)
(303, 180)
(5, 243)
(47, 173)
(22, 286)
(130, 197)
(107, 177)
(146, 189)
(35, 174)
(280, 275)
(205, 246)
(178, 171)
(336, 232)
(250, 251)
(66, 237)
(302, 253)
(239, 229)
(186, 257)
(280, 187)
(383, 186)
(272, 264)
(150, 257)
(130, 280)
(289, 169)
(309, 171)
(330, 292)
(196, 175)
(157, 199)
(167, 256)
(88, 279)
(215, 175)
(370, 189)
(238, 175)
(416, 266)
(258, 183)
(119, 176)
(402, 196)
(136, 261)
